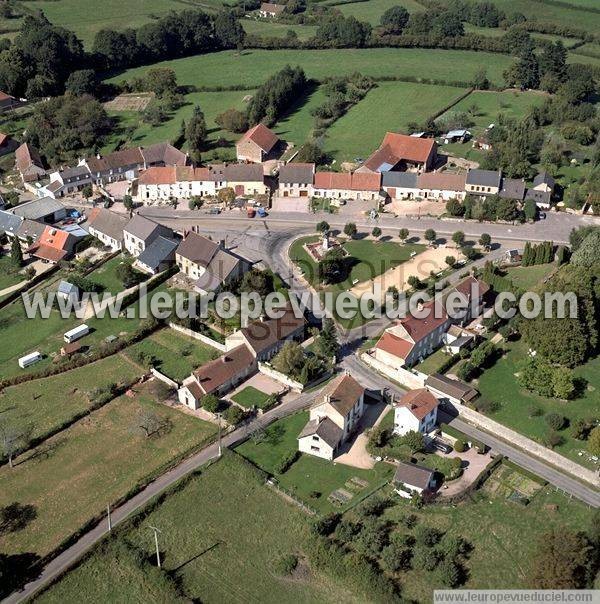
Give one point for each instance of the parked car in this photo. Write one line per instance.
(214, 211)
(441, 446)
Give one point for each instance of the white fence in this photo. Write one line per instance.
(164, 378)
(198, 336)
(403, 376)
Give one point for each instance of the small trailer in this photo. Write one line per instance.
(76, 333)
(30, 359)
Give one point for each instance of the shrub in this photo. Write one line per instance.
(286, 564)
(427, 536)
(326, 525)
(373, 506)
(460, 446)
(210, 402)
(553, 439)
(425, 558)
(285, 463)
(234, 415)
(346, 530)
(555, 421)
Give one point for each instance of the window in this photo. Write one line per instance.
(315, 449)
(315, 438)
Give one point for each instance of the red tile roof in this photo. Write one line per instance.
(47, 252)
(398, 347)
(396, 147)
(213, 375)
(26, 156)
(169, 175)
(263, 137)
(419, 402)
(479, 287)
(420, 328)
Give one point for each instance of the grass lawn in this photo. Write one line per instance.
(499, 384)
(504, 536)
(391, 106)
(309, 474)
(72, 476)
(178, 355)
(251, 397)
(8, 275)
(433, 362)
(47, 403)
(216, 552)
(106, 275)
(253, 67)
(279, 30)
(527, 277)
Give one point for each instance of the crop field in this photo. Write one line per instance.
(177, 355)
(212, 551)
(252, 67)
(42, 405)
(70, 478)
(391, 106)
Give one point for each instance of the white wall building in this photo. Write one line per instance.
(416, 412)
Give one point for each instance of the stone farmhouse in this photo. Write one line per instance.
(334, 418)
(400, 152)
(29, 163)
(140, 232)
(258, 144)
(347, 185)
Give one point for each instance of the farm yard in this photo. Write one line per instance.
(217, 557)
(69, 478)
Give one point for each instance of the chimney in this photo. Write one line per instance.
(222, 244)
(328, 398)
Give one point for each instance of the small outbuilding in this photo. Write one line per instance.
(411, 478)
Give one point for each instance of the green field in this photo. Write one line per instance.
(251, 397)
(498, 384)
(8, 275)
(106, 275)
(45, 404)
(371, 11)
(221, 535)
(253, 67)
(279, 30)
(70, 478)
(548, 13)
(85, 18)
(391, 106)
(177, 355)
(131, 130)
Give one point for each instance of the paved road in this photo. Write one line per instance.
(555, 227)
(70, 556)
(587, 494)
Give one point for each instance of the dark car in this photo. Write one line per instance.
(441, 446)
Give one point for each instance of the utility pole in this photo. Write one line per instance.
(156, 531)
(108, 517)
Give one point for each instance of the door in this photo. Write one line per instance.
(239, 189)
(303, 193)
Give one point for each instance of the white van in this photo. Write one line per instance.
(30, 359)
(76, 333)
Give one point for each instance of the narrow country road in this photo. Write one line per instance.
(71, 555)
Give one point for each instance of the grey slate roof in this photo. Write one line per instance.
(405, 180)
(141, 227)
(512, 188)
(109, 223)
(220, 267)
(74, 172)
(484, 178)
(296, 173)
(412, 475)
(30, 228)
(38, 208)
(325, 429)
(538, 196)
(244, 172)
(197, 249)
(544, 178)
(453, 388)
(9, 222)
(157, 252)
(64, 287)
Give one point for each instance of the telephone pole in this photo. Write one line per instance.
(156, 531)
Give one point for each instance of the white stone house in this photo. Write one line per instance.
(412, 479)
(415, 412)
(333, 419)
(160, 183)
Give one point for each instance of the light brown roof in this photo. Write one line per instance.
(419, 402)
(261, 335)
(261, 136)
(296, 172)
(443, 181)
(119, 159)
(342, 393)
(158, 175)
(107, 222)
(164, 153)
(392, 344)
(197, 249)
(348, 181)
(213, 375)
(269, 7)
(480, 288)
